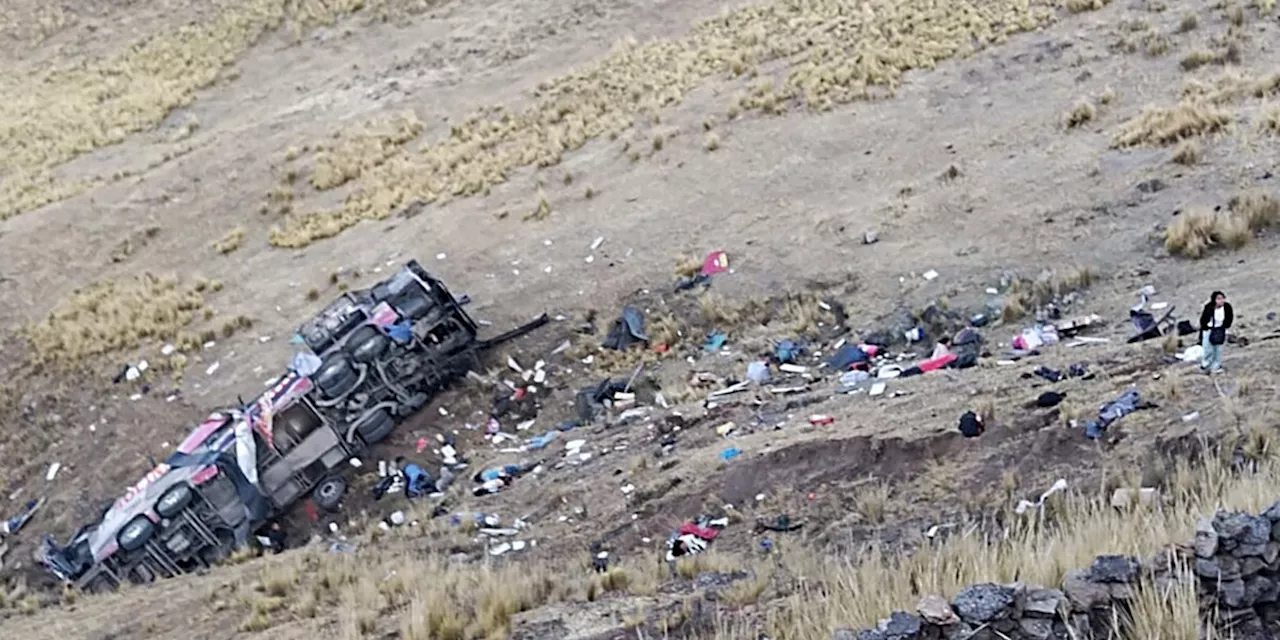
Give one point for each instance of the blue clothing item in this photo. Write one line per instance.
(847, 356)
(1127, 403)
(417, 481)
(543, 440)
(787, 350)
(499, 472)
(1212, 359)
(715, 341)
(401, 332)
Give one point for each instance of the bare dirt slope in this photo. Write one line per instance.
(292, 150)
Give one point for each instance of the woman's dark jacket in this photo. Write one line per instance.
(1206, 316)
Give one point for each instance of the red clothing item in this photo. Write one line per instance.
(933, 364)
(691, 529)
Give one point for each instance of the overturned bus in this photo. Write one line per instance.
(374, 357)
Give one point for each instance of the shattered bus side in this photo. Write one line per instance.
(375, 356)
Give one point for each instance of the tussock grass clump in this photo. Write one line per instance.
(364, 149)
(1189, 22)
(1156, 44)
(848, 51)
(1231, 87)
(1187, 153)
(1194, 234)
(115, 315)
(1159, 126)
(230, 242)
(1080, 114)
(1200, 58)
(1025, 296)
(1081, 6)
(1270, 121)
(1235, 15)
(1258, 209)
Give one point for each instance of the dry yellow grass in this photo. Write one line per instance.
(364, 149)
(1157, 126)
(1025, 296)
(1270, 121)
(1189, 22)
(1080, 114)
(53, 114)
(1200, 58)
(1193, 234)
(230, 242)
(116, 315)
(845, 50)
(1231, 87)
(1080, 6)
(1187, 153)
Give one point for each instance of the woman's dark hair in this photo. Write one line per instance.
(1214, 296)
(944, 340)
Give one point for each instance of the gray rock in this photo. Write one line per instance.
(1273, 512)
(1080, 627)
(1083, 593)
(1036, 628)
(1272, 553)
(844, 634)
(1044, 603)
(1241, 527)
(1261, 590)
(1275, 532)
(1249, 550)
(1114, 569)
(980, 603)
(959, 631)
(900, 625)
(1220, 568)
(542, 630)
(870, 634)
(1231, 593)
(1151, 186)
(1206, 543)
(1121, 591)
(1251, 566)
(716, 579)
(936, 610)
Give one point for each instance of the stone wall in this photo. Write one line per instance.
(1234, 559)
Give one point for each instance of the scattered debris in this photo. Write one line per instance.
(1127, 403)
(971, 424)
(1123, 498)
(1023, 505)
(627, 330)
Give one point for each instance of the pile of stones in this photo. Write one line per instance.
(1234, 562)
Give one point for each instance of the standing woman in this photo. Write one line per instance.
(1214, 322)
